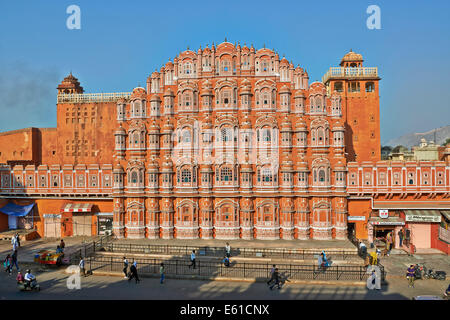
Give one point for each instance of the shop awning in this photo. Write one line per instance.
(77, 207)
(422, 216)
(446, 214)
(391, 221)
(15, 210)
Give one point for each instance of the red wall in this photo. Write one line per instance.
(435, 242)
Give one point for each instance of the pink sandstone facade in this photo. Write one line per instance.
(227, 142)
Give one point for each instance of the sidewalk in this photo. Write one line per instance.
(314, 245)
(28, 249)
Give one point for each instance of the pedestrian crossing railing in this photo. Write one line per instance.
(89, 249)
(238, 270)
(279, 253)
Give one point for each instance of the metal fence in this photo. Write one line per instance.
(242, 270)
(299, 254)
(89, 249)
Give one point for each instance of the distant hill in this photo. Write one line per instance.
(413, 139)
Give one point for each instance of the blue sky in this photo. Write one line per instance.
(121, 42)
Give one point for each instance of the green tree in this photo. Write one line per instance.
(447, 141)
(398, 148)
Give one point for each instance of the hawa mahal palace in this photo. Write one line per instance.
(225, 142)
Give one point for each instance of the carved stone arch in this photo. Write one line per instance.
(268, 120)
(225, 83)
(135, 205)
(320, 122)
(184, 202)
(226, 201)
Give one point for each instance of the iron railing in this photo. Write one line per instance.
(281, 253)
(89, 249)
(240, 270)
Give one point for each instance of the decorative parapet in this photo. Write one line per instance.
(341, 72)
(91, 97)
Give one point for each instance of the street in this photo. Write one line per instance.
(53, 284)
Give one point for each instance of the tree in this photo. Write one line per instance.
(398, 148)
(447, 141)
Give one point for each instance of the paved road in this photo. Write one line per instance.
(53, 284)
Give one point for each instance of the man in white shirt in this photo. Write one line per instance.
(30, 279)
(228, 250)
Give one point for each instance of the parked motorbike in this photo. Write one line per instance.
(430, 274)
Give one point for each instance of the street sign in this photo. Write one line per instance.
(384, 213)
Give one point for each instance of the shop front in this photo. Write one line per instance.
(77, 219)
(419, 225)
(381, 223)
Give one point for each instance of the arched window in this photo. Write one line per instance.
(226, 66)
(266, 136)
(321, 175)
(186, 136)
(267, 175)
(186, 175)
(134, 177)
(226, 134)
(187, 68)
(226, 174)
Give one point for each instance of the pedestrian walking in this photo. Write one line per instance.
(162, 272)
(388, 244)
(228, 250)
(410, 275)
(17, 239)
(276, 279)
(407, 236)
(14, 261)
(7, 264)
(81, 265)
(400, 237)
(272, 271)
(14, 243)
(133, 272)
(62, 245)
(192, 259)
(125, 267)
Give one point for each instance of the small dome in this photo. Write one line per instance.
(154, 126)
(352, 57)
(155, 97)
(168, 126)
(138, 93)
(285, 89)
(118, 168)
(301, 125)
(120, 131)
(168, 92)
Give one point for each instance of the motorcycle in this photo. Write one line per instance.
(430, 274)
(24, 286)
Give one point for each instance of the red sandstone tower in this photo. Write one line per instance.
(358, 87)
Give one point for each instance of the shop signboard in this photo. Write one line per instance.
(388, 223)
(384, 213)
(356, 218)
(422, 218)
